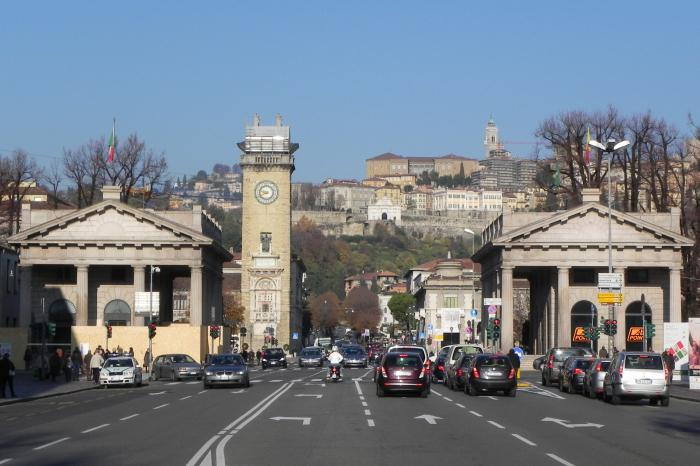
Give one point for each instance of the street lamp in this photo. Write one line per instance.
(473, 235)
(610, 147)
(150, 310)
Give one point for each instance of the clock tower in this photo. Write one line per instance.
(267, 162)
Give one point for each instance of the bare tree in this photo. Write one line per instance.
(19, 174)
(53, 178)
(83, 167)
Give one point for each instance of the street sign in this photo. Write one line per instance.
(421, 335)
(295, 336)
(492, 302)
(430, 327)
(492, 311)
(610, 280)
(142, 302)
(438, 337)
(610, 298)
(473, 313)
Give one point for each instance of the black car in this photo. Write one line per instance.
(554, 359)
(573, 372)
(457, 372)
(402, 373)
(491, 373)
(311, 356)
(273, 357)
(439, 369)
(354, 356)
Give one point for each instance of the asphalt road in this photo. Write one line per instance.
(292, 417)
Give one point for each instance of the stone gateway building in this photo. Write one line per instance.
(561, 255)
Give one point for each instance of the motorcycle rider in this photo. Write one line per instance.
(334, 360)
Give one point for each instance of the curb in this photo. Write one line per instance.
(50, 395)
(685, 398)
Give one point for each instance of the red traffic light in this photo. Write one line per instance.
(607, 321)
(614, 322)
(496, 321)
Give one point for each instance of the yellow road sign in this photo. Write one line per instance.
(610, 298)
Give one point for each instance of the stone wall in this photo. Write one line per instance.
(16, 339)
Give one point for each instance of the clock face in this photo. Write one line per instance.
(266, 192)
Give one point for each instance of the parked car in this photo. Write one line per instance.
(311, 356)
(636, 375)
(175, 367)
(273, 357)
(122, 370)
(555, 357)
(457, 372)
(538, 362)
(491, 373)
(226, 369)
(354, 356)
(572, 373)
(594, 377)
(404, 373)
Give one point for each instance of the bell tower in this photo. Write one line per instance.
(491, 141)
(267, 161)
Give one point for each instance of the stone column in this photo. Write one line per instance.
(25, 296)
(563, 309)
(506, 308)
(81, 315)
(196, 295)
(139, 285)
(674, 294)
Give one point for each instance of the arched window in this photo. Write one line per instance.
(117, 312)
(384, 216)
(583, 314)
(633, 326)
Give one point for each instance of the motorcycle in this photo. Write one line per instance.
(334, 374)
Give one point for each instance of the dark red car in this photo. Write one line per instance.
(402, 373)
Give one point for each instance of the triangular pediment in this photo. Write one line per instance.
(110, 222)
(588, 224)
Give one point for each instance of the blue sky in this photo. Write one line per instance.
(353, 79)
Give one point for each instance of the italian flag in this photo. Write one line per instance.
(112, 144)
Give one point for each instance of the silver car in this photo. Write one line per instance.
(121, 371)
(226, 369)
(636, 375)
(176, 367)
(594, 377)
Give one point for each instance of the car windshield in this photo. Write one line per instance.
(562, 354)
(643, 362)
(277, 353)
(183, 358)
(311, 352)
(402, 360)
(417, 351)
(443, 352)
(604, 365)
(119, 363)
(227, 360)
(467, 360)
(354, 352)
(495, 361)
(583, 363)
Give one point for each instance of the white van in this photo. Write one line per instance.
(636, 375)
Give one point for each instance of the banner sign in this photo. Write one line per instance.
(676, 343)
(580, 335)
(635, 335)
(142, 303)
(694, 353)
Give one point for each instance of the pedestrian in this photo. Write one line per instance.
(258, 355)
(7, 375)
(603, 353)
(76, 360)
(96, 365)
(146, 360)
(670, 365)
(119, 350)
(27, 359)
(514, 361)
(55, 365)
(86, 366)
(615, 351)
(131, 351)
(244, 354)
(67, 367)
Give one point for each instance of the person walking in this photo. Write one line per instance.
(67, 367)
(258, 355)
(131, 351)
(27, 359)
(514, 361)
(55, 364)
(603, 353)
(7, 375)
(76, 360)
(96, 365)
(86, 365)
(670, 365)
(146, 360)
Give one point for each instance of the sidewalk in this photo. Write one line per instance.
(28, 388)
(682, 391)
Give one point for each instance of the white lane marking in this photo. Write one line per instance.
(524, 440)
(460, 405)
(357, 386)
(128, 417)
(301, 395)
(173, 383)
(541, 391)
(370, 422)
(203, 391)
(192, 383)
(316, 380)
(447, 399)
(367, 412)
(161, 406)
(251, 410)
(240, 390)
(492, 398)
(362, 397)
(255, 381)
(46, 445)
(559, 460)
(5, 460)
(305, 421)
(185, 397)
(220, 455)
(264, 407)
(364, 403)
(201, 451)
(496, 424)
(476, 414)
(274, 381)
(94, 428)
(156, 393)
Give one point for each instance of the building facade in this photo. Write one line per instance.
(384, 209)
(393, 164)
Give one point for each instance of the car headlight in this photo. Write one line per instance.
(264, 360)
(240, 372)
(129, 373)
(209, 373)
(104, 373)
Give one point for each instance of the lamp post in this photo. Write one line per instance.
(473, 235)
(150, 309)
(610, 147)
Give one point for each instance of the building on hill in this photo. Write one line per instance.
(502, 171)
(393, 164)
(420, 199)
(346, 195)
(384, 209)
(382, 279)
(388, 191)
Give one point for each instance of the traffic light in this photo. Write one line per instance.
(496, 329)
(613, 327)
(214, 331)
(595, 333)
(109, 331)
(243, 331)
(152, 331)
(649, 330)
(489, 329)
(51, 329)
(606, 327)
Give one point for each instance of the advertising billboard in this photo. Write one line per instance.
(676, 343)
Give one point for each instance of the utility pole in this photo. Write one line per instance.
(43, 341)
(644, 324)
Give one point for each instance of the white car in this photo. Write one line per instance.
(122, 370)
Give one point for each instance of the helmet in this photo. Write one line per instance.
(335, 348)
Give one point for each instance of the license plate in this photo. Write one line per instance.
(643, 381)
(497, 374)
(193, 373)
(402, 373)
